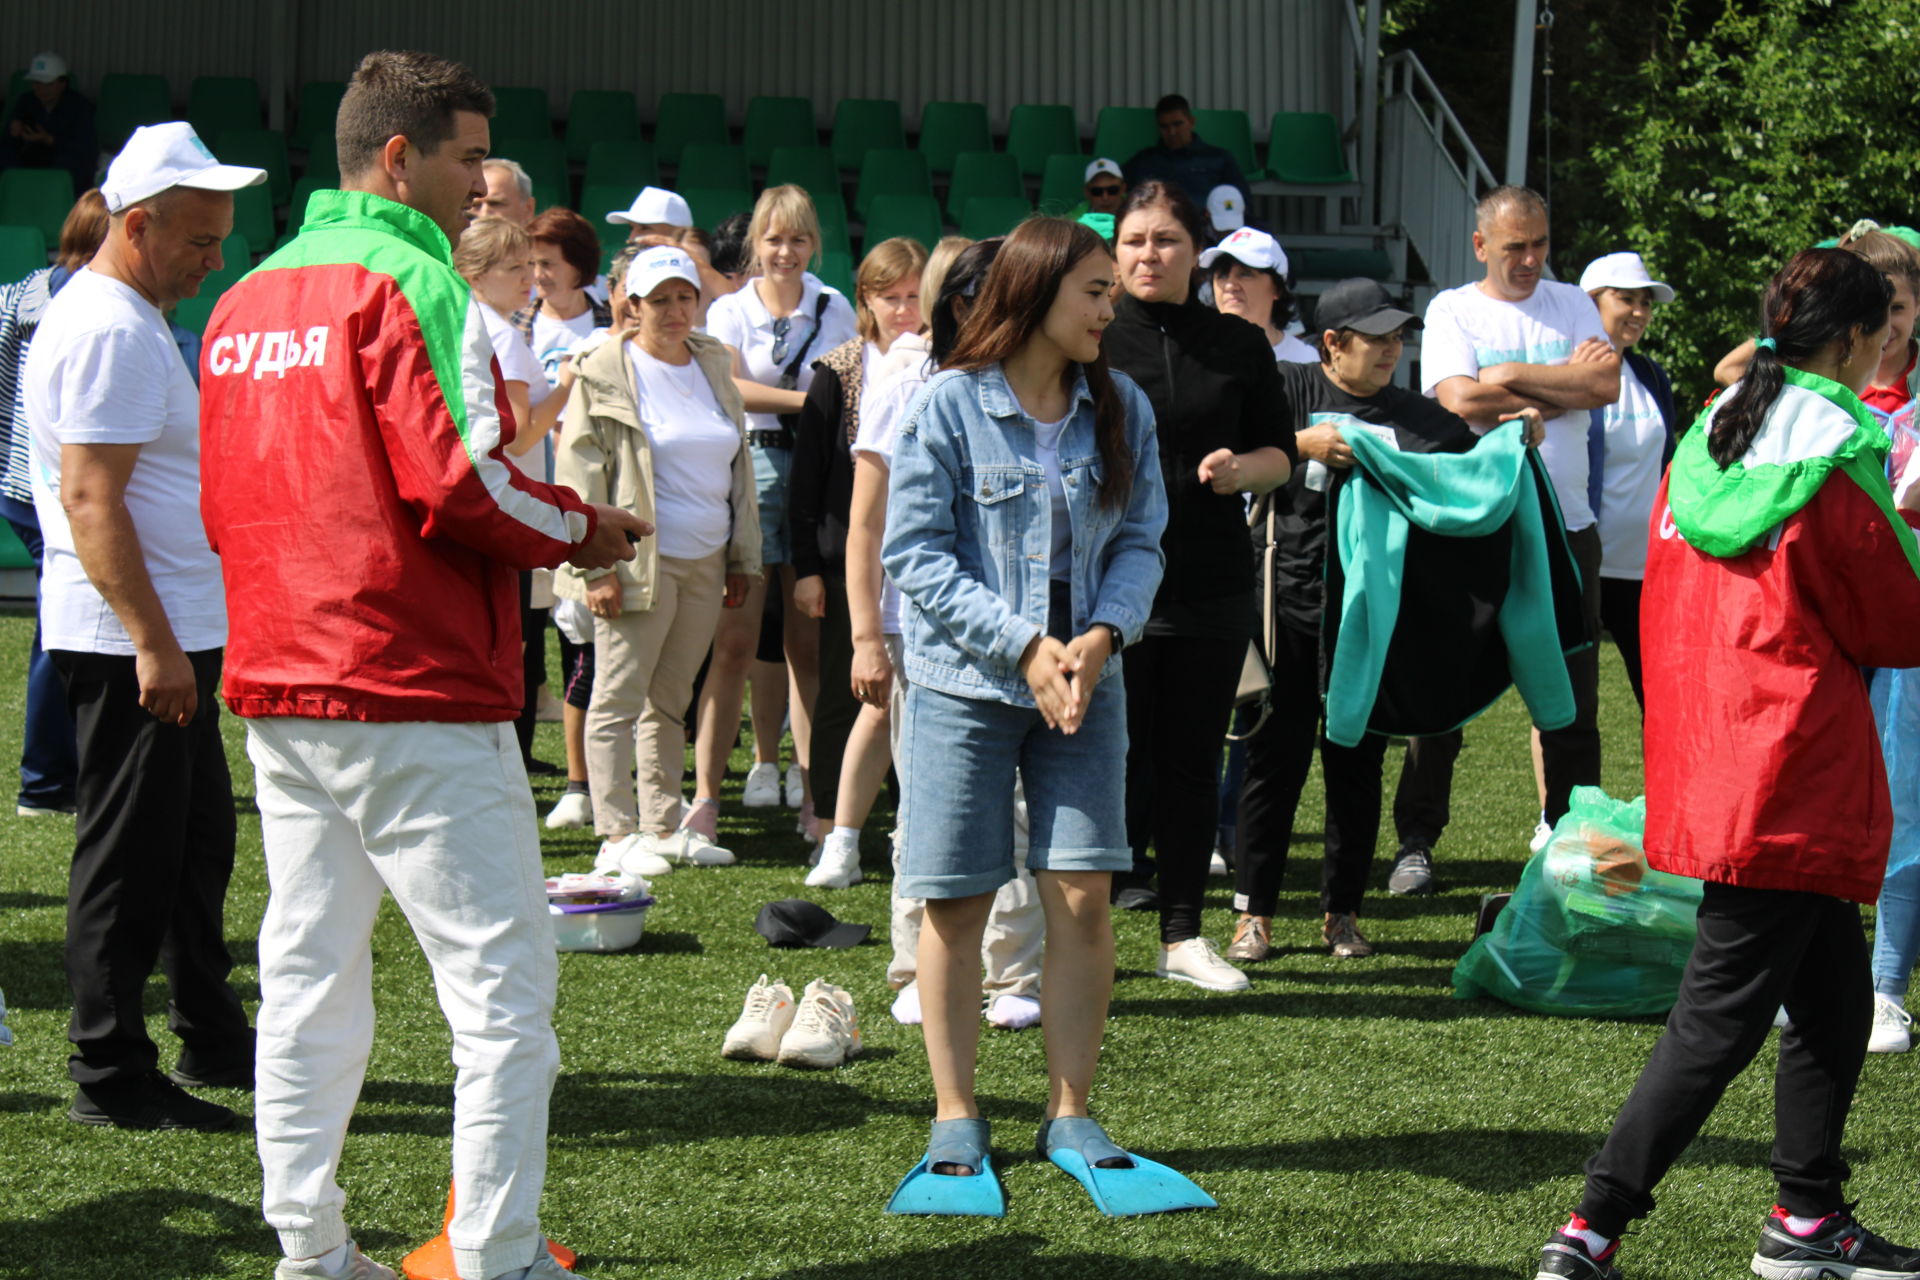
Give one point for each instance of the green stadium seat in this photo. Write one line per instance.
(891, 173)
(1036, 130)
(545, 160)
(1119, 133)
(861, 125)
(836, 269)
(832, 212)
(302, 191)
(217, 104)
(597, 200)
(314, 112)
(323, 159)
(23, 251)
(622, 164)
(685, 119)
(600, 115)
(253, 214)
(986, 216)
(127, 102)
(236, 249)
(949, 128)
(520, 112)
(812, 169)
(1063, 183)
(259, 149)
(193, 313)
(903, 215)
(36, 198)
(1234, 131)
(713, 165)
(773, 123)
(1305, 147)
(983, 173)
(712, 206)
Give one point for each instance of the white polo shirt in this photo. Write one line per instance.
(741, 320)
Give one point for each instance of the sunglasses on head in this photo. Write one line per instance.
(1112, 190)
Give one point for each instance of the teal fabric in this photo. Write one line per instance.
(1462, 495)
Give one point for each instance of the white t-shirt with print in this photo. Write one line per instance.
(1636, 436)
(103, 369)
(1467, 331)
(554, 339)
(882, 410)
(694, 443)
(742, 321)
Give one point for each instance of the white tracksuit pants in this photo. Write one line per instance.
(441, 816)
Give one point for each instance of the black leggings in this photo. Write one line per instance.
(1570, 757)
(1179, 698)
(1620, 615)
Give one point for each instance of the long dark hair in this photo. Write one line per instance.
(964, 278)
(1011, 307)
(1821, 296)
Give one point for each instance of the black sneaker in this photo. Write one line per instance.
(1840, 1249)
(149, 1102)
(1412, 870)
(1136, 898)
(1566, 1258)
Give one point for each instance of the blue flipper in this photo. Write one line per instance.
(979, 1195)
(1077, 1144)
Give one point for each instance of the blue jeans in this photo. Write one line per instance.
(48, 760)
(1896, 929)
(771, 468)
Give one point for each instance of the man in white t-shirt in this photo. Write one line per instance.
(1514, 341)
(133, 615)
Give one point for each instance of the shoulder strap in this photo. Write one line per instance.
(792, 371)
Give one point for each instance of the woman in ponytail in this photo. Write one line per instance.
(1780, 564)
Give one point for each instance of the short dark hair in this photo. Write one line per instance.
(1171, 103)
(573, 235)
(729, 250)
(402, 93)
(1178, 203)
(1507, 199)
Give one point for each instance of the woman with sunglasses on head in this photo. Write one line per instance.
(779, 322)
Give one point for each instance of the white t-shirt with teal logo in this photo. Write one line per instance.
(1636, 437)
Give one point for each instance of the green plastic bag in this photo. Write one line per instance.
(1592, 931)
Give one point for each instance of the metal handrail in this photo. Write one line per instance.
(1406, 67)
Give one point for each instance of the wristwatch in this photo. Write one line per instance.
(1118, 639)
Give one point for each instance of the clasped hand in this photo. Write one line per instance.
(1063, 676)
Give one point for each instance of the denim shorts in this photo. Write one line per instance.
(958, 800)
(771, 467)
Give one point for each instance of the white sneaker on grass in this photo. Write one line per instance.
(763, 1020)
(358, 1266)
(839, 865)
(1013, 1013)
(688, 848)
(796, 786)
(762, 789)
(906, 1006)
(1892, 1026)
(574, 810)
(1541, 834)
(1217, 865)
(825, 1032)
(632, 854)
(1195, 961)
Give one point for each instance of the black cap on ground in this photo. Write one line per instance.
(795, 922)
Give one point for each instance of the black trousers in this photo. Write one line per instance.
(1179, 700)
(153, 851)
(1279, 756)
(835, 710)
(1620, 615)
(1570, 757)
(533, 665)
(1757, 949)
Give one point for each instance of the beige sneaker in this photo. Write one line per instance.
(1252, 939)
(763, 1020)
(358, 1267)
(1341, 933)
(1196, 962)
(825, 1031)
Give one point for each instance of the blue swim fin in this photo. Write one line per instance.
(978, 1195)
(1076, 1144)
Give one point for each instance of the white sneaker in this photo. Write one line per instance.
(796, 787)
(358, 1267)
(825, 1032)
(1217, 865)
(763, 1020)
(906, 1006)
(1195, 961)
(574, 810)
(1541, 834)
(1013, 1013)
(1891, 1026)
(839, 865)
(633, 854)
(688, 848)
(762, 790)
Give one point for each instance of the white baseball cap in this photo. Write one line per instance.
(1622, 271)
(161, 156)
(1100, 166)
(1250, 247)
(46, 68)
(655, 266)
(655, 204)
(1225, 210)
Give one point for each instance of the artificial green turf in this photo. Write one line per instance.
(1355, 1121)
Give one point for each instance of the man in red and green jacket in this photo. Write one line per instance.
(369, 527)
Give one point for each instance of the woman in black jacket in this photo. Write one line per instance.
(1223, 431)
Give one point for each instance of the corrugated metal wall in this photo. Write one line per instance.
(1257, 55)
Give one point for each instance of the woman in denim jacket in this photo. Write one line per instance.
(1024, 517)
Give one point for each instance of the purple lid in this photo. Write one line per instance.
(584, 908)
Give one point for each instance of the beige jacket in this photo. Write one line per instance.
(606, 455)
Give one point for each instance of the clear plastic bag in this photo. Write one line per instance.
(1592, 930)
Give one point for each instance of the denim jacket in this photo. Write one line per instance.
(970, 528)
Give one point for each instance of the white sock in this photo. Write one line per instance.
(1803, 1226)
(1898, 1002)
(906, 1006)
(1596, 1243)
(849, 834)
(1013, 1012)
(334, 1260)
